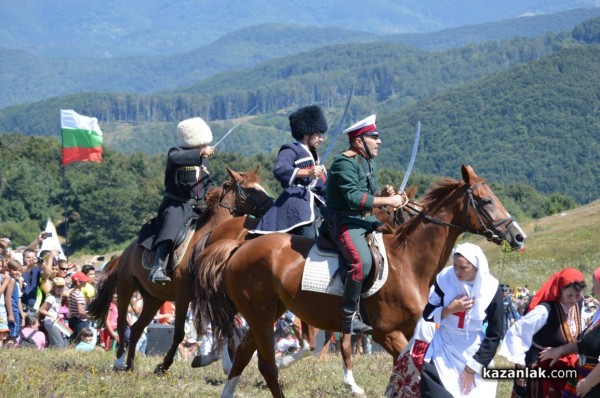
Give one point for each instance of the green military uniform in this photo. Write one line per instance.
(350, 193)
(351, 188)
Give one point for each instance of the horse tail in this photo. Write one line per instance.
(210, 302)
(107, 286)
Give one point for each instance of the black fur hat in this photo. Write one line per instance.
(307, 121)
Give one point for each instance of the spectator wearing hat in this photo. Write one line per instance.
(352, 193)
(300, 174)
(50, 309)
(79, 318)
(89, 289)
(187, 180)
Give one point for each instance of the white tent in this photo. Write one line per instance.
(51, 242)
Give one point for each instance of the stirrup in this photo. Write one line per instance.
(158, 276)
(355, 325)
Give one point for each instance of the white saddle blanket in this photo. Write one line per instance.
(321, 266)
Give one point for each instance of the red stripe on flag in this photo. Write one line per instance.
(78, 154)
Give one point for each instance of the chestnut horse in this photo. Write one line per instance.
(261, 277)
(240, 194)
(237, 229)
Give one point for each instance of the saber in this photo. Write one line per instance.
(338, 129)
(234, 127)
(412, 157)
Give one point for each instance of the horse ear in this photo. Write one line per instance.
(256, 169)
(411, 191)
(234, 174)
(467, 173)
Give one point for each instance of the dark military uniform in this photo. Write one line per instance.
(186, 181)
(297, 206)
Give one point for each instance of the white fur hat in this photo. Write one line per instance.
(193, 133)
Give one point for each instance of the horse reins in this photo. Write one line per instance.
(240, 198)
(471, 203)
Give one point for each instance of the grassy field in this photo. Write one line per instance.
(67, 373)
(569, 239)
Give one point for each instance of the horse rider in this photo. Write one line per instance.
(352, 193)
(187, 180)
(301, 176)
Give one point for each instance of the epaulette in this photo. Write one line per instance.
(349, 153)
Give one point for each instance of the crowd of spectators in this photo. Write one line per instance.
(44, 298)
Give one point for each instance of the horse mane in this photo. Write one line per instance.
(441, 190)
(212, 197)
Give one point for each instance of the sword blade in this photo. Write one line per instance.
(412, 157)
(338, 130)
(234, 127)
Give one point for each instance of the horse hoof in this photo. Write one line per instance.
(201, 361)
(120, 364)
(356, 390)
(160, 369)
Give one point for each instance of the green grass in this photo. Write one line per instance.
(67, 373)
(569, 239)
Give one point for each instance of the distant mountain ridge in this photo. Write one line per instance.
(25, 77)
(117, 28)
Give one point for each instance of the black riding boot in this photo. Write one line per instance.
(157, 274)
(352, 324)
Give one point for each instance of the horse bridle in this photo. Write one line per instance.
(471, 203)
(258, 209)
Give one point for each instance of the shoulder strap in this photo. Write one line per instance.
(28, 338)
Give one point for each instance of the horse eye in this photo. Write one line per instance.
(485, 201)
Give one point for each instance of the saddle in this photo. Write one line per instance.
(324, 242)
(180, 245)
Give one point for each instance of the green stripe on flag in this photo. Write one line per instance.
(78, 138)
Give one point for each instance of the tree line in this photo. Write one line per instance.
(108, 202)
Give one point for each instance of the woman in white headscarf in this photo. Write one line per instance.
(463, 297)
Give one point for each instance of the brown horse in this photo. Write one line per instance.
(262, 277)
(240, 194)
(237, 229)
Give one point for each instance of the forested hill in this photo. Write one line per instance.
(537, 123)
(534, 123)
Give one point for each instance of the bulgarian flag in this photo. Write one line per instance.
(62, 326)
(81, 138)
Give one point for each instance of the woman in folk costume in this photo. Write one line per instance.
(588, 348)
(554, 319)
(405, 381)
(463, 296)
(298, 171)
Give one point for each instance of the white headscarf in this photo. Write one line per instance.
(485, 285)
